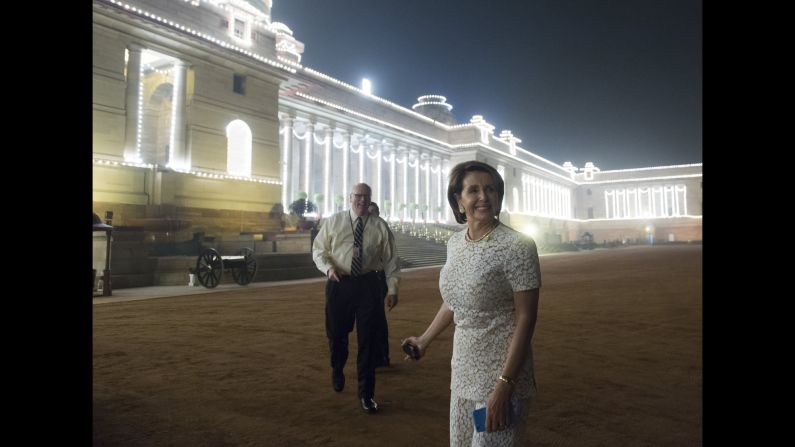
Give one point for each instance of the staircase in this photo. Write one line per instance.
(419, 252)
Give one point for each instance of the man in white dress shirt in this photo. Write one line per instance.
(349, 248)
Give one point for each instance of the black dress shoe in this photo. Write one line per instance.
(369, 405)
(337, 379)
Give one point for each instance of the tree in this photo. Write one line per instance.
(302, 206)
(413, 211)
(319, 199)
(387, 207)
(339, 199)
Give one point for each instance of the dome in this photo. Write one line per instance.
(436, 108)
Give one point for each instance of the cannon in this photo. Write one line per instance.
(210, 267)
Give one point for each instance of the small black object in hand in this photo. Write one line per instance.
(412, 350)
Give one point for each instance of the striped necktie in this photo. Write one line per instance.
(356, 264)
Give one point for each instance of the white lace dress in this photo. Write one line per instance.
(477, 283)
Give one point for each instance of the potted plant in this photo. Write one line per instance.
(339, 199)
(300, 207)
(413, 212)
(319, 199)
(387, 208)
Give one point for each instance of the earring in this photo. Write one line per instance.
(461, 211)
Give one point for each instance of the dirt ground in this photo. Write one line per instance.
(618, 355)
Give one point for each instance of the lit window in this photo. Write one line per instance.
(238, 149)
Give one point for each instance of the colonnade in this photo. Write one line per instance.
(409, 182)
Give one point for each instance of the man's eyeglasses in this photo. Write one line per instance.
(361, 196)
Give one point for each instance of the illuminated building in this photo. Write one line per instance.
(203, 113)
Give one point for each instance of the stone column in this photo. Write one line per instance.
(405, 184)
(379, 195)
(362, 154)
(392, 182)
(132, 104)
(309, 137)
(179, 157)
(416, 184)
(448, 214)
(346, 146)
(287, 138)
(428, 202)
(438, 203)
(329, 134)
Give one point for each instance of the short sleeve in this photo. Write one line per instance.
(522, 268)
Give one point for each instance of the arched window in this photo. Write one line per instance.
(238, 149)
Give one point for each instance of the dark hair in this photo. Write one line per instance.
(375, 205)
(456, 185)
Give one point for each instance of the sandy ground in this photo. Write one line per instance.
(618, 350)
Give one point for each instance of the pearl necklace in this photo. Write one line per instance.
(469, 239)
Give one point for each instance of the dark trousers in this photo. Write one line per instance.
(381, 327)
(348, 301)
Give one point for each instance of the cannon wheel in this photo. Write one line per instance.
(209, 268)
(247, 270)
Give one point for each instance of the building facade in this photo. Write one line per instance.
(206, 120)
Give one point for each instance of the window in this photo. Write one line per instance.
(239, 84)
(588, 191)
(224, 23)
(240, 28)
(238, 148)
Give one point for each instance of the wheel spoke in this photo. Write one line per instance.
(209, 268)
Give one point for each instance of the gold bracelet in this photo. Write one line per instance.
(506, 379)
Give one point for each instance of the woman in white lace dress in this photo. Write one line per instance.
(489, 288)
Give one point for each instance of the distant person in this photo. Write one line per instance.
(349, 248)
(382, 328)
(490, 289)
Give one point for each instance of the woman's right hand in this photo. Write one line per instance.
(418, 348)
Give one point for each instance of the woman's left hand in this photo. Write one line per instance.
(498, 408)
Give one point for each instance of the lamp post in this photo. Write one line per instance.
(650, 234)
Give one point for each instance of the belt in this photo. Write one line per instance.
(361, 276)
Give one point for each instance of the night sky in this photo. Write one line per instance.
(615, 82)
